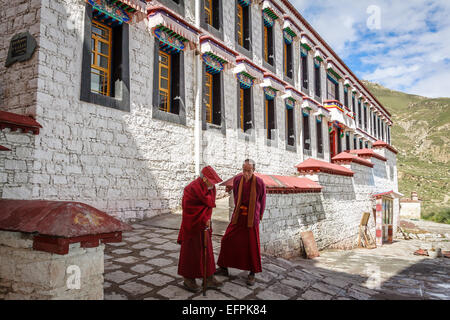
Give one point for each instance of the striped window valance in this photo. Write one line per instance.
(169, 41)
(108, 12)
(213, 63)
(332, 78)
(244, 3)
(270, 93)
(290, 103)
(288, 35)
(245, 80)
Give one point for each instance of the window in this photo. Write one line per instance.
(347, 141)
(389, 134)
(353, 105)
(268, 45)
(290, 134)
(105, 78)
(175, 5)
(332, 88)
(374, 124)
(212, 98)
(243, 26)
(382, 130)
(319, 136)
(288, 63)
(355, 143)
(366, 145)
(164, 81)
(360, 143)
(339, 140)
(304, 59)
(306, 133)
(169, 83)
(317, 82)
(379, 128)
(212, 15)
(359, 113)
(365, 118)
(270, 118)
(245, 111)
(346, 97)
(101, 58)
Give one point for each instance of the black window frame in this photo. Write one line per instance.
(317, 80)
(306, 132)
(288, 52)
(271, 49)
(247, 12)
(290, 129)
(249, 91)
(347, 141)
(217, 28)
(179, 118)
(319, 135)
(175, 5)
(267, 121)
(359, 113)
(305, 73)
(218, 98)
(120, 58)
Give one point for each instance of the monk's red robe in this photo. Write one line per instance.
(240, 247)
(197, 205)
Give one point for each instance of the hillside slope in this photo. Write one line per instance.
(421, 133)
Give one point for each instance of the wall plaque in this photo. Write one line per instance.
(21, 48)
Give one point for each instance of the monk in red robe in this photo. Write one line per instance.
(240, 246)
(199, 199)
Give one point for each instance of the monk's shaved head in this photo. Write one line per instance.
(250, 161)
(248, 168)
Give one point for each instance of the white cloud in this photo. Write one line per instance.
(410, 52)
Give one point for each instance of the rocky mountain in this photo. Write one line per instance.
(421, 134)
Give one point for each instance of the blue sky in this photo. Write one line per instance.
(403, 45)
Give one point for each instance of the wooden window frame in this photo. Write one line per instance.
(292, 122)
(169, 70)
(119, 89)
(287, 62)
(319, 134)
(208, 12)
(240, 24)
(209, 97)
(95, 51)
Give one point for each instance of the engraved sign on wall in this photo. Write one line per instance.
(21, 48)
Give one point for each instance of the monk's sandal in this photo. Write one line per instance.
(222, 272)
(191, 285)
(251, 279)
(213, 283)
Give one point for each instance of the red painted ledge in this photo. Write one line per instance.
(312, 166)
(56, 224)
(347, 158)
(16, 121)
(281, 184)
(2, 148)
(367, 154)
(381, 144)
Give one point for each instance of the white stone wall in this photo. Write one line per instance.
(410, 210)
(35, 275)
(18, 82)
(17, 166)
(285, 217)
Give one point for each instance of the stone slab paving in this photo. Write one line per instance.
(145, 266)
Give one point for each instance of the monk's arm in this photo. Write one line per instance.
(263, 201)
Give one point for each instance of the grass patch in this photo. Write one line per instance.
(440, 216)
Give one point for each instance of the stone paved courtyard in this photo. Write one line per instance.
(144, 266)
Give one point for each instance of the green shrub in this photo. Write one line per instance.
(441, 216)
